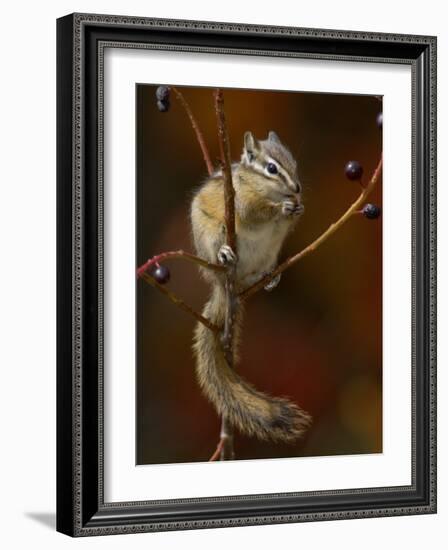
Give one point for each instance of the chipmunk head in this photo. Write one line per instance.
(272, 160)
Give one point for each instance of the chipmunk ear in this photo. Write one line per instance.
(272, 136)
(251, 145)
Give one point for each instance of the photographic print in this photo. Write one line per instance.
(259, 265)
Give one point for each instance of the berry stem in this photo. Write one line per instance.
(248, 292)
(179, 254)
(197, 130)
(180, 303)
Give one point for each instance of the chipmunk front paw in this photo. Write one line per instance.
(292, 208)
(226, 255)
(273, 283)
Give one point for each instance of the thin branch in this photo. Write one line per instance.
(217, 452)
(178, 254)
(224, 450)
(245, 294)
(180, 303)
(229, 213)
(226, 165)
(197, 130)
(227, 450)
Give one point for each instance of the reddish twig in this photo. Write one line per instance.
(227, 450)
(229, 213)
(180, 303)
(224, 449)
(217, 452)
(226, 165)
(177, 254)
(353, 209)
(197, 130)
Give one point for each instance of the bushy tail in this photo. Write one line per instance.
(253, 412)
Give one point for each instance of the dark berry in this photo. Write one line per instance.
(379, 120)
(163, 93)
(371, 211)
(161, 274)
(163, 106)
(353, 170)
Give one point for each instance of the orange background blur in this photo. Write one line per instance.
(317, 337)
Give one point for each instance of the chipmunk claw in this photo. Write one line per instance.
(226, 255)
(273, 283)
(292, 208)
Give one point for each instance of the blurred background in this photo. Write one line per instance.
(317, 337)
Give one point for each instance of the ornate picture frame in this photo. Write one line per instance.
(81, 506)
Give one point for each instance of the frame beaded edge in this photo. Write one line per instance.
(77, 223)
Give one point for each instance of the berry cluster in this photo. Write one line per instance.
(354, 172)
(163, 98)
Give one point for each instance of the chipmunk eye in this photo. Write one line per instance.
(272, 168)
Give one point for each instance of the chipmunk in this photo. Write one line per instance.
(267, 206)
